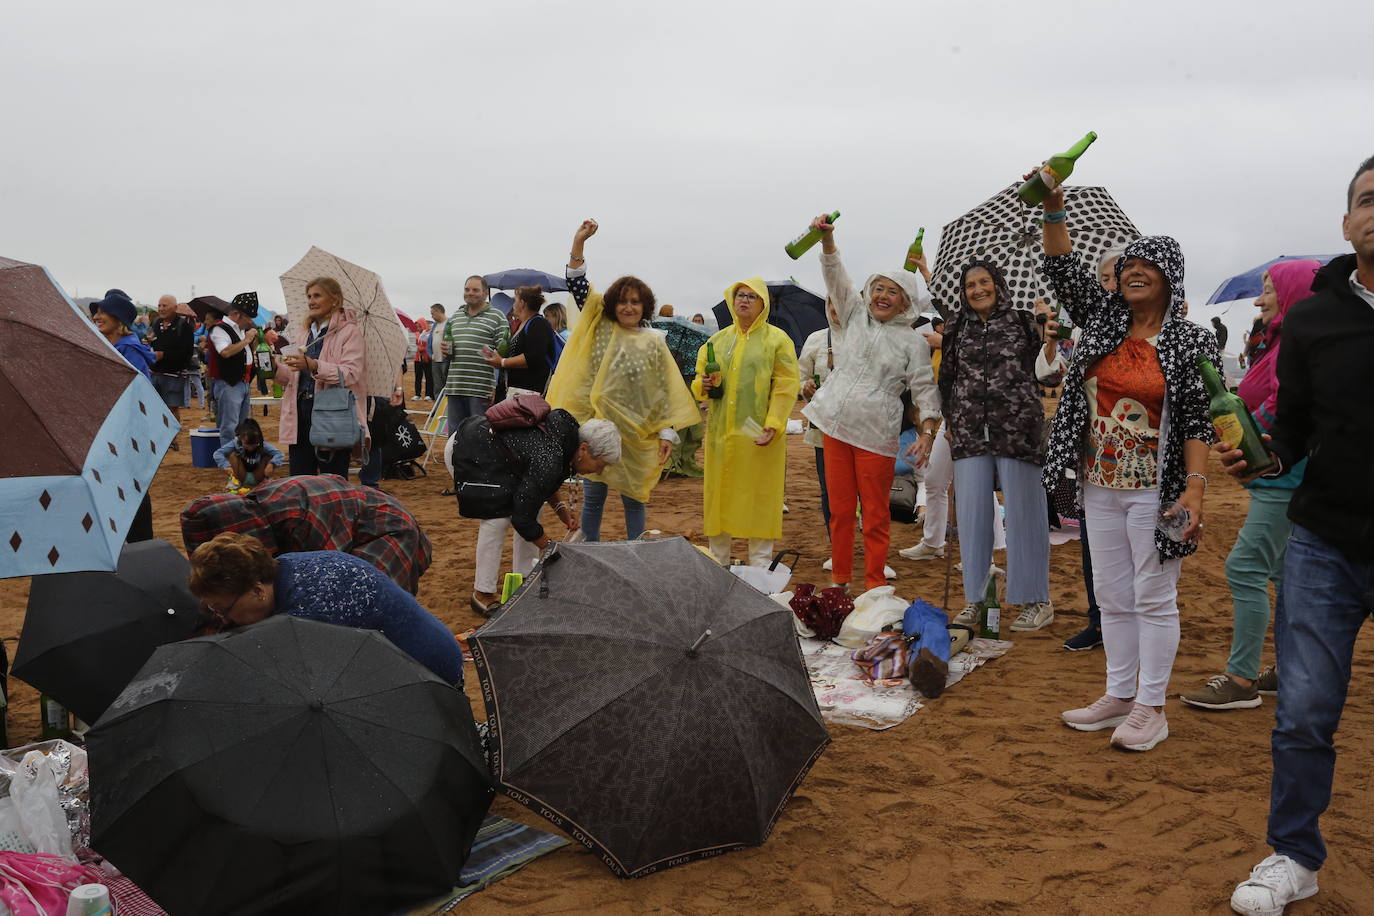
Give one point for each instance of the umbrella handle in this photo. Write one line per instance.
(796, 558)
(693, 650)
(543, 570)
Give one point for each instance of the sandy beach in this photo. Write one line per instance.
(982, 802)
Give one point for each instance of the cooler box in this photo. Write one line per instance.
(204, 444)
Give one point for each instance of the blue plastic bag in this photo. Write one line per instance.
(928, 628)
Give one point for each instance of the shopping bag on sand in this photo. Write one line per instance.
(821, 613)
(873, 610)
(769, 579)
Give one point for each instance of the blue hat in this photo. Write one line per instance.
(117, 304)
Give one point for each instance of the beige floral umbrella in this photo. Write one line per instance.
(384, 342)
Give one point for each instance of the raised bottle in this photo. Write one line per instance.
(802, 243)
(1232, 421)
(991, 613)
(712, 370)
(1054, 172)
(917, 249)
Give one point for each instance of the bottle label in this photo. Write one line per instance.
(1229, 429)
(1051, 180)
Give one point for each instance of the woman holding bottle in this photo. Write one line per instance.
(1134, 423)
(858, 410)
(617, 368)
(530, 355)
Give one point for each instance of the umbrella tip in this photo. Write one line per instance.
(693, 650)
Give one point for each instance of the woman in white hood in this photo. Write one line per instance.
(878, 355)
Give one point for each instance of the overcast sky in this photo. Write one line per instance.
(156, 145)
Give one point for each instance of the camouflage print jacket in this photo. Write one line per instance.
(988, 389)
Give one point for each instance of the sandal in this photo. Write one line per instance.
(486, 610)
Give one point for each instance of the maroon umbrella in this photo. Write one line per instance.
(85, 432)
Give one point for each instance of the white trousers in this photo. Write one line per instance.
(939, 474)
(1137, 592)
(760, 550)
(491, 536)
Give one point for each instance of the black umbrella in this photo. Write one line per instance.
(648, 702)
(203, 304)
(288, 767)
(87, 633)
(791, 306)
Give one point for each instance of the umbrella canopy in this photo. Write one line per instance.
(685, 340)
(526, 276)
(791, 306)
(87, 633)
(648, 702)
(384, 342)
(287, 767)
(184, 308)
(1250, 284)
(406, 321)
(1007, 231)
(503, 302)
(76, 467)
(202, 304)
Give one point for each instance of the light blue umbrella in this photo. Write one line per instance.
(526, 276)
(79, 458)
(1251, 283)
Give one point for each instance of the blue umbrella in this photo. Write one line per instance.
(503, 302)
(526, 276)
(1251, 283)
(80, 460)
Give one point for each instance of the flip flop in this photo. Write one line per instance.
(486, 610)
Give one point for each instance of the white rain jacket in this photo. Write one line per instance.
(860, 403)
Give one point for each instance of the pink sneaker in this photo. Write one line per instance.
(1143, 729)
(1107, 712)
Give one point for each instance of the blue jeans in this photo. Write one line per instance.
(594, 502)
(231, 408)
(1324, 600)
(462, 406)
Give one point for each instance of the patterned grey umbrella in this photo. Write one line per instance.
(649, 703)
(1005, 230)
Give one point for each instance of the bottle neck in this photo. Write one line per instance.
(1080, 147)
(1210, 379)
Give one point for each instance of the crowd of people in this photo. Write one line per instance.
(957, 403)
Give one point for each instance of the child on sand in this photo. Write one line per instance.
(248, 459)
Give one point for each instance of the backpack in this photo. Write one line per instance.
(334, 418)
(484, 470)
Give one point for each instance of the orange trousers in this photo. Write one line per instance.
(854, 476)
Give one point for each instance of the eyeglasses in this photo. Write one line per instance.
(223, 616)
(747, 297)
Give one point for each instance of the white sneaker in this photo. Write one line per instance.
(1034, 616)
(1273, 884)
(968, 617)
(993, 570)
(922, 551)
(889, 572)
(827, 564)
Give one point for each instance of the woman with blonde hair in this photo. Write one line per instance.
(331, 353)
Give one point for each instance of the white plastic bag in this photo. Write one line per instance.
(769, 579)
(33, 789)
(873, 610)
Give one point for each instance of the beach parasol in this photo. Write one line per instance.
(1250, 284)
(77, 463)
(287, 767)
(384, 343)
(86, 634)
(791, 306)
(1006, 231)
(649, 703)
(525, 276)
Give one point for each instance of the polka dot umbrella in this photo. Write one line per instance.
(1007, 231)
(77, 461)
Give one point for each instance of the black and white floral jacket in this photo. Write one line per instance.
(1106, 320)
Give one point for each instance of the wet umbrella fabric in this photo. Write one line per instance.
(608, 722)
(1008, 232)
(525, 276)
(75, 468)
(203, 305)
(384, 341)
(685, 341)
(288, 767)
(1250, 284)
(86, 634)
(792, 307)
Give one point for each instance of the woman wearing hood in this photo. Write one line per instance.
(878, 355)
(759, 376)
(1134, 423)
(1257, 557)
(991, 401)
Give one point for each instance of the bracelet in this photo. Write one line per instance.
(573, 257)
(1058, 216)
(1201, 477)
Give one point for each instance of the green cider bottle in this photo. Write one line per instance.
(1232, 421)
(991, 613)
(802, 243)
(1054, 172)
(917, 249)
(712, 371)
(56, 720)
(263, 363)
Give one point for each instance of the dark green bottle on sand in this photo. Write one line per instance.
(990, 613)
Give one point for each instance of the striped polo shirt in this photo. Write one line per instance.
(468, 373)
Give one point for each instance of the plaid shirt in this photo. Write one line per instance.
(298, 514)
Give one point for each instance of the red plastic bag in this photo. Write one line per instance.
(37, 884)
(823, 612)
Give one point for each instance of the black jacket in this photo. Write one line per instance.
(1326, 373)
(174, 340)
(514, 472)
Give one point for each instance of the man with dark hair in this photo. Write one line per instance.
(434, 337)
(1325, 372)
(233, 341)
(1220, 331)
(476, 327)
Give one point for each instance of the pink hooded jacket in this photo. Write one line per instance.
(1260, 387)
(342, 352)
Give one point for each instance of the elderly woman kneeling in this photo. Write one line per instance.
(240, 583)
(505, 478)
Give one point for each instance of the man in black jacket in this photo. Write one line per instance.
(1326, 374)
(171, 338)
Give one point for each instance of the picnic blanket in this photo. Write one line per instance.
(847, 698)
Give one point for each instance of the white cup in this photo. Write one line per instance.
(290, 350)
(90, 900)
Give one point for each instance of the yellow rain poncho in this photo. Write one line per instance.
(758, 368)
(628, 377)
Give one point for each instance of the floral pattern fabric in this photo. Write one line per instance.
(1125, 394)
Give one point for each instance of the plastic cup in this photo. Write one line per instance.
(291, 350)
(751, 428)
(1173, 521)
(90, 900)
